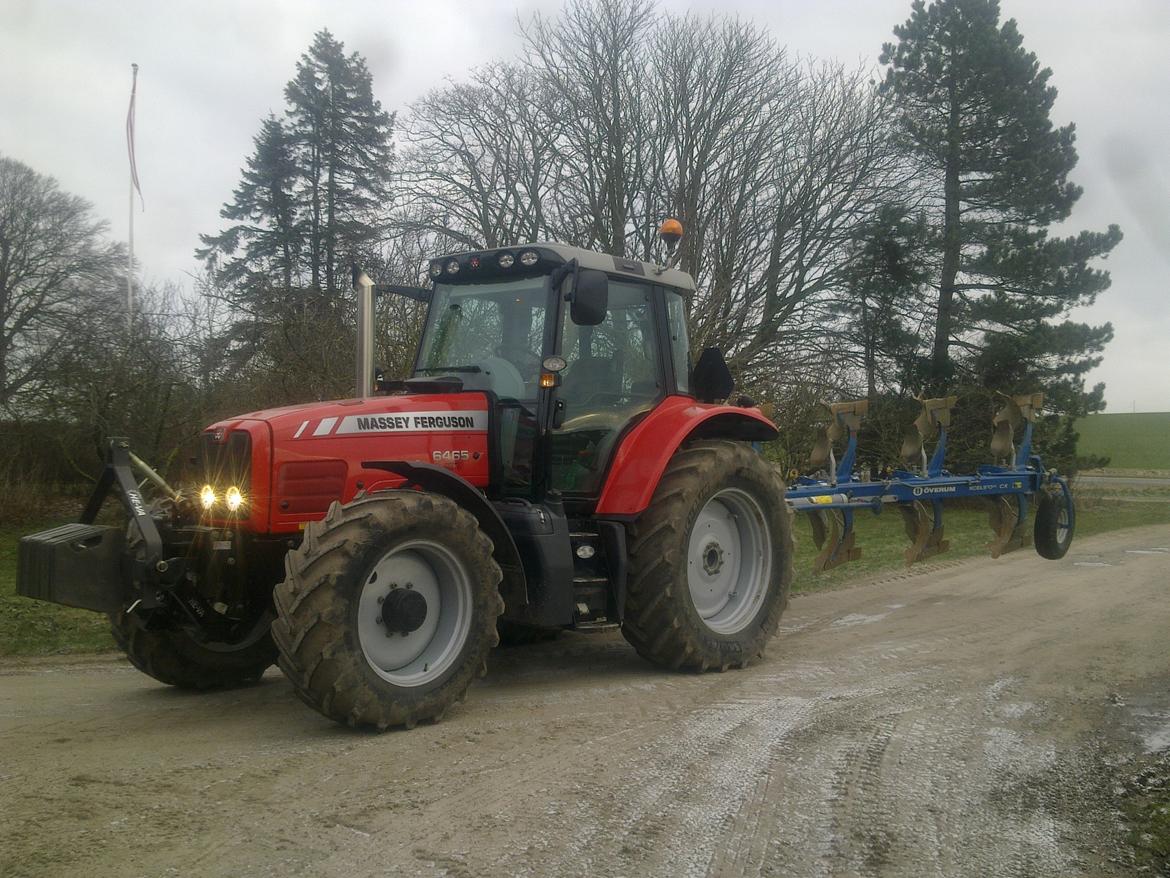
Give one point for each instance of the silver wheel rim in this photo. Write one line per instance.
(1062, 523)
(426, 653)
(729, 561)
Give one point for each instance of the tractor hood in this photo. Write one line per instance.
(379, 415)
(304, 457)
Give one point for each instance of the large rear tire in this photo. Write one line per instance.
(175, 657)
(388, 609)
(710, 560)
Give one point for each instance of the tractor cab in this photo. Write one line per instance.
(571, 347)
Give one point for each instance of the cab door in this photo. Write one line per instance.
(615, 372)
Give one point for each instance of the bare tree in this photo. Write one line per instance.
(617, 116)
(54, 261)
(593, 58)
(479, 166)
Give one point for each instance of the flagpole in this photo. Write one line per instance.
(133, 186)
(130, 264)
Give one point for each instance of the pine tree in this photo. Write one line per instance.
(266, 238)
(341, 137)
(311, 195)
(974, 107)
(883, 300)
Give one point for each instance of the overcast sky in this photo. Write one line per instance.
(211, 70)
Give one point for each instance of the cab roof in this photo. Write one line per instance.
(475, 264)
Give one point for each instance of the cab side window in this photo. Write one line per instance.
(613, 373)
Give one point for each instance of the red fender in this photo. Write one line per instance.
(646, 450)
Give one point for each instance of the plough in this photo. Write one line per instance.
(1015, 483)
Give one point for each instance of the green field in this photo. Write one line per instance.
(1130, 441)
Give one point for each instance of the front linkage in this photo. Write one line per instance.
(139, 568)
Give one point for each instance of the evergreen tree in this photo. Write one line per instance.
(312, 199)
(974, 108)
(341, 137)
(883, 300)
(267, 229)
(312, 194)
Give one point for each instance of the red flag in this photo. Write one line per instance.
(130, 136)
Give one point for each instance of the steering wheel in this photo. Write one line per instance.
(498, 375)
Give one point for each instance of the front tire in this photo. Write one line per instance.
(175, 657)
(388, 609)
(710, 560)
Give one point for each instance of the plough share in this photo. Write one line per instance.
(1015, 486)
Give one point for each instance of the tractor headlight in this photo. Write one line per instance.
(207, 496)
(234, 499)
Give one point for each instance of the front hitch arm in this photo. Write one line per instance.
(152, 569)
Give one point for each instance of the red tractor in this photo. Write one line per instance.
(554, 461)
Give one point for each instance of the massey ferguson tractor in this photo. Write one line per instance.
(554, 461)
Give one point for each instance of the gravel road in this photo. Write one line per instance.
(970, 719)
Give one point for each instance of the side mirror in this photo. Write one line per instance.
(589, 298)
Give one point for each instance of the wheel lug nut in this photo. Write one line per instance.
(381, 599)
(410, 585)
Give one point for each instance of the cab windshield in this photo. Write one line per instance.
(490, 335)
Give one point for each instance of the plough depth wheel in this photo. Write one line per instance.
(1055, 522)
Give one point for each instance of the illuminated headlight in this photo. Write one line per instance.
(529, 258)
(207, 496)
(506, 260)
(436, 269)
(233, 498)
(453, 266)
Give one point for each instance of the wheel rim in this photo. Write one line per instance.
(729, 561)
(414, 613)
(1063, 524)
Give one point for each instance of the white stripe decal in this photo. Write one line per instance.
(300, 429)
(325, 426)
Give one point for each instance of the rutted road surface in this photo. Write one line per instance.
(972, 719)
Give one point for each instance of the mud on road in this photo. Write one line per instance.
(972, 719)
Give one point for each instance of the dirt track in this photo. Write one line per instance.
(969, 720)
